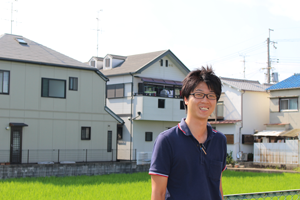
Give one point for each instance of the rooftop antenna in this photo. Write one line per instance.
(11, 16)
(98, 19)
(244, 61)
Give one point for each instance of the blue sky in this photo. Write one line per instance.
(220, 33)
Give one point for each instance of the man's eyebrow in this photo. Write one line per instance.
(202, 90)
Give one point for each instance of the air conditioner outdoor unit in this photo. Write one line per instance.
(244, 157)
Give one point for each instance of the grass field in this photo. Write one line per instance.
(132, 186)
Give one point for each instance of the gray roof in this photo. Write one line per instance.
(137, 63)
(12, 50)
(243, 84)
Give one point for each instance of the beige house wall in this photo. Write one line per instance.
(293, 116)
(55, 123)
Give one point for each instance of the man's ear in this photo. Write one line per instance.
(186, 101)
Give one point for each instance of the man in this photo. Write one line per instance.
(188, 159)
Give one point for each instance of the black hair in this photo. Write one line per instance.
(206, 75)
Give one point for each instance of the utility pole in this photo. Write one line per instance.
(269, 61)
(11, 16)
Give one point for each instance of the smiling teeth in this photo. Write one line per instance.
(203, 108)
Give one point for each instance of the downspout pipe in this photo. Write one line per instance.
(131, 121)
(242, 113)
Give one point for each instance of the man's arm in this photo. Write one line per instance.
(221, 189)
(159, 187)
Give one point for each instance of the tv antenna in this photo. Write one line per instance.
(98, 19)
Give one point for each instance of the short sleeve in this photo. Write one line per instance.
(225, 154)
(161, 157)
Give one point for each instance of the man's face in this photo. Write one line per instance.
(200, 108)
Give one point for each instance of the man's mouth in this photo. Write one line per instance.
(202, 108)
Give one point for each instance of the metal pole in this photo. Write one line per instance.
(268, 68)
(86, 155)
(28, 157)
(58, 156)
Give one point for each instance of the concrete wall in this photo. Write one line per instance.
(89, 169)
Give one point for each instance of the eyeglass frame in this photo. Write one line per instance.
(204, 96)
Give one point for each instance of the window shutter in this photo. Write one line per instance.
(110, 91)
(274, 105)
(230, 138)
(120, 90)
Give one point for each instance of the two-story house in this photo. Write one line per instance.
(52, 107)
(278, 143)
(144, 90)
(242, 108)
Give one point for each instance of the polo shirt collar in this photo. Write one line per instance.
(186, 131)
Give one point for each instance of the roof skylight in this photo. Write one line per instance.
(21, 41)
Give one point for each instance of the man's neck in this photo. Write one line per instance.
(198, 128)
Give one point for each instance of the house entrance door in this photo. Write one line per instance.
(16, 145)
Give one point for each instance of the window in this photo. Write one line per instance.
(85, 133)
(107, 62)
(247, 139)
(161, 103)
(181, 105)
(53, 88)
(161, 62)
(93, 63)
(230, 138)
(109, 141)
(21, 41)
(4, 82)
(167, 63)
(148, 136)
(115, 91)
(120, 132)
(289, 104)
(220, 106)
(73, 83)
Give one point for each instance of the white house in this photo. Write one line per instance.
(144, 90)
(53, 108)
(243, 108)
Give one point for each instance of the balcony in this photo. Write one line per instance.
(158, 108)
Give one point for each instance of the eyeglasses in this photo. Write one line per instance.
(199, 95)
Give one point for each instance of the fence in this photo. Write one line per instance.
(277, 153)
(65, 155)
(278, 195)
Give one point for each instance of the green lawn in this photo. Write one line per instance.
(131, 186)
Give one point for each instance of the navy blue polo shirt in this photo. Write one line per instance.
(191, 173)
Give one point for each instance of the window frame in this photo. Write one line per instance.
(90, 133)
(147, 139)
(160, 103)
(65, 84)
(288, 99)
(107, 62)
(114, 88)
(229, 138)
(109, 141)
(167, 63)
(119, 132)
(71, 85)
(161, 62)
(8, 82)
